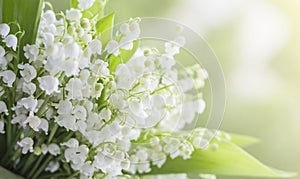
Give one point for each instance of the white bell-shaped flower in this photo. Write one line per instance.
(73, 14)
(85, 4)
(8, 77)
(64, 107)
(28, 72)
(4, 30)
(33, 121)
(52, 167)
(3, 107)
(112, 47)
(11, 41)
(31, 52)
(95, 46)
(49, 16)
(49, 84)
(29, 103)
(44, 125)
(105, 114)
(74, 87)
(2, 51)
(28, 88)
(67, 121)
(26, 144)
(53, 149)
(80, 112)
(76, 155)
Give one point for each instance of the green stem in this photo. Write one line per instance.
(74, 175)
(28, 164)
(42, 167)
(43, 106)
(36, 165)
(53, 131)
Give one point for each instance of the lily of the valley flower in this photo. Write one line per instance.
(11, 41)
(49, 84)
(26, 144)
(8, 77)
(4, 30)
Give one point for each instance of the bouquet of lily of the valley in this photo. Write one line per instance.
(82, 99)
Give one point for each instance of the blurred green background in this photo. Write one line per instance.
(258, 45)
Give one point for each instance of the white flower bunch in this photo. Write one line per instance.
(74, 111)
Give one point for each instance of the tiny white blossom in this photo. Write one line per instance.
(2, 51)
(8, 77)
(71, 143)
(19, 119)
(72, 50)
(100, 67)
(11, 41)
(76, 155)
(67, 121)
(29, 103)
(4, 30)
(85, 4)
(71, 67)
(105, 114)
(49, 84)
(48, 38)
(26, 144)
(49, 16)
(64, 107)
(33, 121)
(95, 46)
(54, 149)
(28, 88)
(112, 47)
(3, 108)
(44, 125)
(31, 52)
(52, 167)
(80, 112)
(2, 130)
(28, 72)
(73, 14)
(74, 87)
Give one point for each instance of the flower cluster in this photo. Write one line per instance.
(74, 110)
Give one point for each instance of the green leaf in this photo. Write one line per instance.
(96, 11)
(104, 28)
(228, 159)
(124, 56)
(6, 174)
(27, 14)
(242, 140)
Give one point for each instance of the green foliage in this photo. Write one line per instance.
(105, 28)
(225, 159)
(6, 174)
(96, 11)
(27, 15)
(124, 56)
(242, 140)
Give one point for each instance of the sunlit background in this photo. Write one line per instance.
(258, 45)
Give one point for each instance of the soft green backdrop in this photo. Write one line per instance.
(258, 44)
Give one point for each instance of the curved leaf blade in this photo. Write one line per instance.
(243, 140)
(5, 174)
(228, 159)
(27, 15)
(104, 28)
